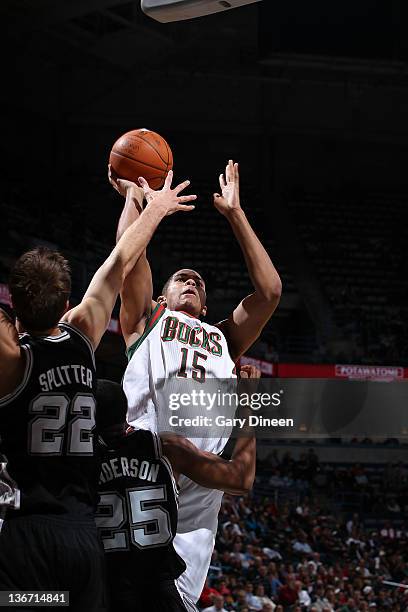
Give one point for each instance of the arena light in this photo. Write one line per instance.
(179, 10)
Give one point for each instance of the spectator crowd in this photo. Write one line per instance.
(286, 553)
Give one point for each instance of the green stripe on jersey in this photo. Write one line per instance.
(150, 324)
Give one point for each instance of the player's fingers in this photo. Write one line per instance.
(245, 368)
(250, 371)
(229, 171)
(169, 180)
(143, 183)
(222, 181)
(185, 208)
(243, 373)
(236, 171)
(188, 198)
(254, 372)
(112, 176)
(181, 187)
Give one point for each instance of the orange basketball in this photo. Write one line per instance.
(142, 153)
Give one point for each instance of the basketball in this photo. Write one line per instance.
(142, 153)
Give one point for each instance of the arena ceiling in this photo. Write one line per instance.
(119, 34)
(94, 61)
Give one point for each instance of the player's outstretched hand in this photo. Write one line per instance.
(228, 201)
(122, 186)
(167, 196)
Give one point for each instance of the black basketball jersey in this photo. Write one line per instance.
(47, 426)
(137, 513)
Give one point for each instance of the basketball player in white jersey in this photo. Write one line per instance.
(167, 338)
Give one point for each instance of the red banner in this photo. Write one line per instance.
(342, 371)
(369, 372)
(304, 370)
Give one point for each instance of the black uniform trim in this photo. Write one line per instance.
(157, 445)
(166, 463)
(169, 468)
(27, 373)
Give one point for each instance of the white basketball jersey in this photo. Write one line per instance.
(173, 349)
(175, 345)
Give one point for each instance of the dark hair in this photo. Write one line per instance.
(111, 404)
(40, 285)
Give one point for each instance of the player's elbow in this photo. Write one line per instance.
(243, 484)
(273, 291)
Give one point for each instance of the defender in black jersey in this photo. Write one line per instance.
(137, 512)
(49, 539)
(137, 517)
(47, 426)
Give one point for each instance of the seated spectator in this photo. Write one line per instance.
(250, 597)
(275, 583)
(271, 553)
(270, 607)
(303, 595)
(260, 599)
(241, 601)
(218, 605)
(223, 588)
(288, 594)
(237, 552)
(301, 545)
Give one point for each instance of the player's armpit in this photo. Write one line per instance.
(12, 362)
(91, 318)
(208, 470)
(245, 324)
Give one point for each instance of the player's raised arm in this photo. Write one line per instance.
(246, 322)
(11, 358)
(93, 314)
(137, 290)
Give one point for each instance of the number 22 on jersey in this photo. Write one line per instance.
(49, 427)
